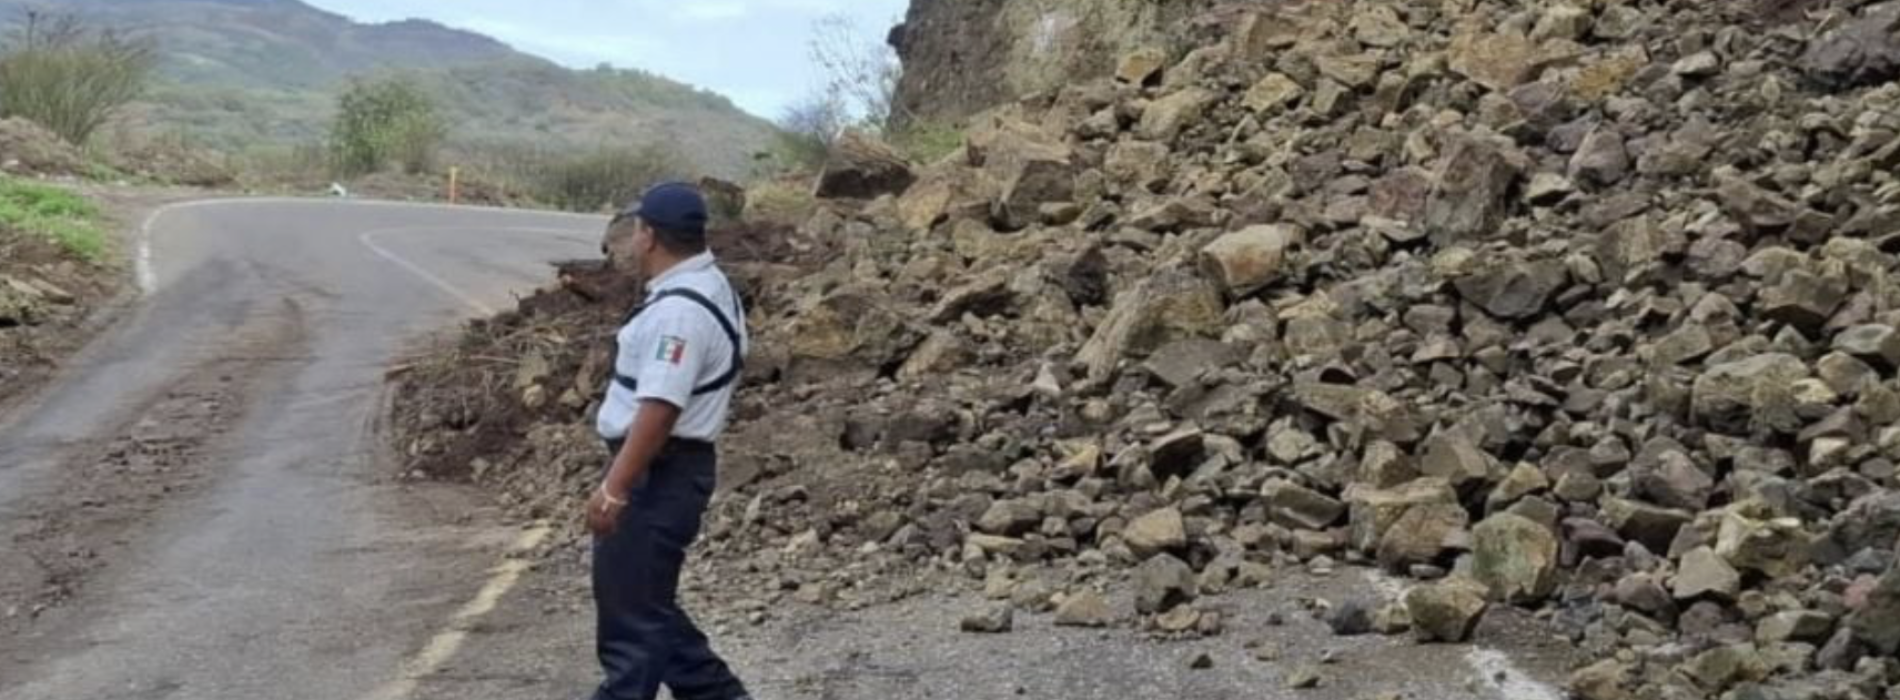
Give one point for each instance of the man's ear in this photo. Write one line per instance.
(617, 244)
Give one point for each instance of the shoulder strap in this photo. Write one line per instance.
(732, 334)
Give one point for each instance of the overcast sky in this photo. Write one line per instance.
(753, 51)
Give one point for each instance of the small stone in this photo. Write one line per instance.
(1446, 611)
(1201, 661)
(1795, 626)
(1602, 159)
(1296, 506)
(1547, 188)
(1273, 94)
(1350, 618)
(1163, 583)
(1875, 343)
(1266, 651)
(1165, 118)
(1303, 678)
(1702, 572)
(995, 620)
(1178, 620)
(1160, 531)
(1084, 609)
(1701, 64)
(1141, 66)
(1010, 518)
(1608, 679)
(1877, 622)
(1251, 258)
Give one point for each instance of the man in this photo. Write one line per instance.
(675, 369)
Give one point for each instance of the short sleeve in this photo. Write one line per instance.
(673, 353)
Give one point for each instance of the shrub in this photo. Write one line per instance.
(603, 179)
(69, 78)
(382, 122)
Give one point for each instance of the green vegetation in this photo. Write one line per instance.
(926, 143)
(603, 179)
(70, 79)
(58, 215)
(388, 121)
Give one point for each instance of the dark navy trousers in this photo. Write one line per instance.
(644, 639)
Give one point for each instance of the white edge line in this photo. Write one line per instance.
(1493, 668)
(147, 275)
(445, 644)
(1495, 671)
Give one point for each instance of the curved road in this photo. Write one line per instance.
(199, 509)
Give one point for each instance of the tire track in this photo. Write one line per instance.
(95, 508)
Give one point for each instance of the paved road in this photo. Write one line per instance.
(199, 509)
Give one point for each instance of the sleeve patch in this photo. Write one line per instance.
(672, 350)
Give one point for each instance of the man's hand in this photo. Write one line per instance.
(603, 512)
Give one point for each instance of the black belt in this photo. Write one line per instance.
(674, 445)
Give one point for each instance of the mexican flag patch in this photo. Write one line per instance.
(672, 350)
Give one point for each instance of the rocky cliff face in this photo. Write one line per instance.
(962, 57)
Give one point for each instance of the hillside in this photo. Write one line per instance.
(244, 74)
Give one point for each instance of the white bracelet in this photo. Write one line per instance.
(615, 502)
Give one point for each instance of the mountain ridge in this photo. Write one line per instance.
(239, 74)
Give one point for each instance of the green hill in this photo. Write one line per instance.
(245, 74)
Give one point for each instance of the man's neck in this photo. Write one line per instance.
(659, 264)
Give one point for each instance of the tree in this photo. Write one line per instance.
(808, 128)
(860, 75)
(385, 121)
(70, 78)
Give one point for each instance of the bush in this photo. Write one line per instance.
(383, 122)
(65, 218)
(604, 179)
(70, 79)
(785, 201)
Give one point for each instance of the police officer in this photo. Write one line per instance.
(678, 359)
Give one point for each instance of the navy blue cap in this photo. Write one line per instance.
(674, 206)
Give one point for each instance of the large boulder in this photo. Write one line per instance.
(1171, 305)
(1251, 258)
(1515, 557)
(1862, 51)
(1446, 611)
(1749, 394)
(1473, 195)
(1513, 289)
(862, 167)
(851, 325)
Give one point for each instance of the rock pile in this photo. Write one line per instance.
(1580, 305)
(1583, 305)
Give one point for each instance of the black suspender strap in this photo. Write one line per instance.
(726, 324)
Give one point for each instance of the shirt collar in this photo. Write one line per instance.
(702, 261)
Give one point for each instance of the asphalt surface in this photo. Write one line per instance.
(276, 557)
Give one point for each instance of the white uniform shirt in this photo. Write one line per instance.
(674, 347)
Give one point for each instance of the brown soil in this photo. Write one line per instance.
(29, 353)
(462, 408)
